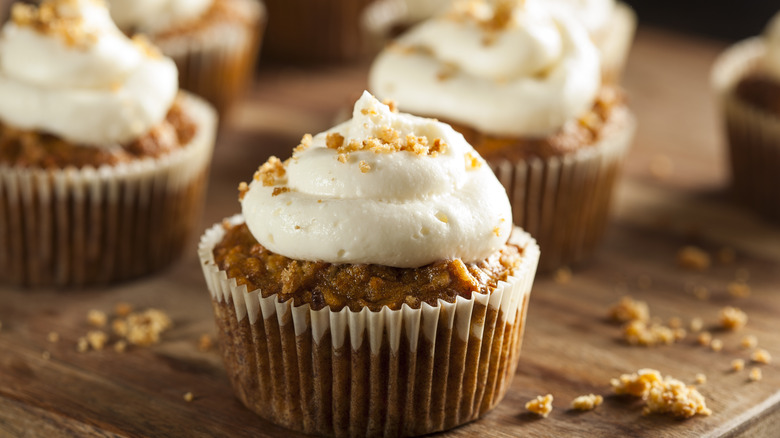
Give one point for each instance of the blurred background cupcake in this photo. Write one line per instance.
(214, 43)
(746, 78)
(103, 163)
(522, 82)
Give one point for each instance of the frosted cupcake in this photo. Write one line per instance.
(746, 78)
(374, 284)
(214, 43)
(103, 162)
(522, 83)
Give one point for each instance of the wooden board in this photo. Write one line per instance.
(570, 348)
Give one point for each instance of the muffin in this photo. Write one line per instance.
(522, 83)
(746, 78)
(214, 43)
(103, 163)
(371, 286)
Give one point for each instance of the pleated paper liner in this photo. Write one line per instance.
(216, 62)
(614, 43)
(388, 373)
(753, 134)
(80, 227)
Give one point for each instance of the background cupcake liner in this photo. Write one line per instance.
(77, 227)
(387, 373)
(217, 61)
(753, 135)
(614, 43)
(306, 31)
(564, 201)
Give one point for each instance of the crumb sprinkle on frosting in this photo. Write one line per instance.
(52, 18)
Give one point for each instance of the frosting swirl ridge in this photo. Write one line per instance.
(383, 188)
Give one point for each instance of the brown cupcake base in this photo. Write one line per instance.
(81, 227)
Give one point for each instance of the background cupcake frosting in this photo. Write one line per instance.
(772, 38)
(156, 15)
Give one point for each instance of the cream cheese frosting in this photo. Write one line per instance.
(772, 38)
(506, 68)
(66, 69)
(153, 16)
(593, 14)
(382, 188)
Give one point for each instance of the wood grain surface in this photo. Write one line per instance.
(570, 348)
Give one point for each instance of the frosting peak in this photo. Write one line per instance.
(772, 38)
(383, 188)
(505, 67)
(66, 69)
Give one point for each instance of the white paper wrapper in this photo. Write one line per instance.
(753, 134)
(564, 201)
(388, 373)
(77, 227)
(217, 61)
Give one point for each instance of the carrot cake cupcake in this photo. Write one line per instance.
(746, 78)
(214, 43)
(374, 284)
(103, 163)
(522, 83)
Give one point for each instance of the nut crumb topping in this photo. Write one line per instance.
(388, 140)
(662, 395)
(334, 140)
(146, 47)
(732, 318)
(271, 173)
(279, 190)
(391, 104)
(541, 405)
(761, 356)
(472, 161)
(587, 402)
(242, 189)
(364, 167)
(49, 20)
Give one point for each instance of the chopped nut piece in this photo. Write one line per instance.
(188, 397)
(279, 190)
(563, 275)
(96, 318)
(716, 345)
(97, 339)
(749, 341)
(737, 365)
(53, 337)
(696, 324)
(761, 356)
(586, 402)
(738, 290)
(732, 318)
(364, 167)
(242, 189)
(701, 379)
(755, 374)
(541, 405)
(472, 162)
(271, 173)
(123, 309)
(704, 339)
(205, 343)
(334, 140)
(120, 346)
(628, 309)
(82, 345)
(693, 258)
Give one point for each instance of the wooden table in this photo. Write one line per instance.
(570, 348)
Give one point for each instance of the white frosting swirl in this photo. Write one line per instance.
(75, 75)
(772, 38)
(408, 210)
(152, 16)
(593, 14)
(527, 77)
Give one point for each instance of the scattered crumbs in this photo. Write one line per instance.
(391, 104)
(541, 405)
(123, 309)
(628, 309)
(497, 231)
(693, 258)
(342, 158)
(562, 275)
(53, 337)
(755, 374)
(364, 167)
(97, 339)
(82, 345)
(120, 346)
(119, 327)
(738, 290)
(144, 328)
(586, 402)
(716, 345)
(761, 356)
(50, 19)
(644, 282)
(748, 341)
(242, 189)
(675, 322)
(188, 397)
(696, 324)
(472, 161)
(334, 140)
(732, 318)
(727, 256)
(279, 190)
(700, 379)
(701, 292)
(704, 339)
(97, 318)
(637, 384)
(205, 343)
(662, 395)
(638, 332)
(661, 167)
(742, 275)
(737, 365)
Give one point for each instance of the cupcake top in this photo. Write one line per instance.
(382, 188)
(152, 16)
(66, 70)
(772, 38)
(509, 67)
(593, 14)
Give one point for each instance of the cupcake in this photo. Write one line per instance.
(522, 83)
(214, 43)
(746, 78)
(103, 163)
(611, 25)
(374, 284)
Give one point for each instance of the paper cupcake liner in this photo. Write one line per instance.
(753, 134)
(217, 61)
(614, 43)
(307, 32)
(564, 201)
(388, 373)
(77, 227)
